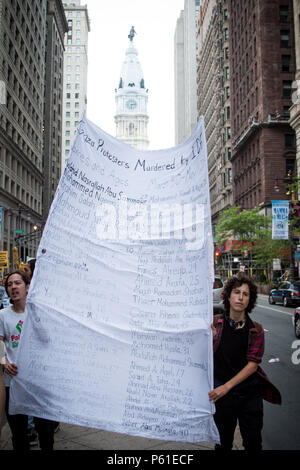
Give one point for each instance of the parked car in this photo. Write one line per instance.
(296, 321)
(217, 289)
(286, 293)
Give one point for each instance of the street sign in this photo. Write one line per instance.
(4, 259)
(297, 255)
(276, 264)
(19, 231)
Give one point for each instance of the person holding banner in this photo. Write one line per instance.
(240, 383)
(11, 321)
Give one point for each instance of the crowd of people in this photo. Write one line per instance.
(240, 385)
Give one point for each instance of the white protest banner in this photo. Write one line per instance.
(280, 220)
(118, 334)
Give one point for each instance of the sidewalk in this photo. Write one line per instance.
(71, 437)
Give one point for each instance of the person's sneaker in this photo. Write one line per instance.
(33, 438)
(57, 427)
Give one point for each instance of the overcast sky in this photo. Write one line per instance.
(154, 22)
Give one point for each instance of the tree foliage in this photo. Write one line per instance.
(251, 226)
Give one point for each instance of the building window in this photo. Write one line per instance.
(286, 112)
(284, 13)
(229, 153)
(68, 114)
(131, 128)
(289, 140)
(229, 175)
(228, 133)
(284, 38)
(227, 90)
(227, 73)
(228, 112)
(226, 34)
(286, 89)
(290, 166)
(286, 63)
(67, 143)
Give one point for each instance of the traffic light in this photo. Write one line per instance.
(217, 256)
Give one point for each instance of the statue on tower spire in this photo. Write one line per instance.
(132, 33)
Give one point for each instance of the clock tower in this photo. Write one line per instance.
(131, 100)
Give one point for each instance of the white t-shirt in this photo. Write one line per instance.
(11, 324)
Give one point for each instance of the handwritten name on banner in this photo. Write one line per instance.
(118, 334)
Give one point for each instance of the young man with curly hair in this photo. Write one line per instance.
(240, 383)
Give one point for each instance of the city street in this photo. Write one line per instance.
(280, 422)
(281, 426)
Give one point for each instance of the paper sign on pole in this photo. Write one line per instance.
(118, 334)
(280, 220)
(4, 259)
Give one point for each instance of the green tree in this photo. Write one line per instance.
(249, 226)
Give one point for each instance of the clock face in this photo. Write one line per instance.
(131, 104)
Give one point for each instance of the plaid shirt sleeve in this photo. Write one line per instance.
(256, 345)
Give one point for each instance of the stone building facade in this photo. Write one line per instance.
(213, 99)
(295, 109)
(56, 29)
(31, 54)
(75, 72)
(263, 67)
(22, 78)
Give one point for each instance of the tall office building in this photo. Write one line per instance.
(185, 70)
(22, 81)
(295, 109)
(131, 100)
(263, 69)
(56, 29)
(213, 82)
(75, 71)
